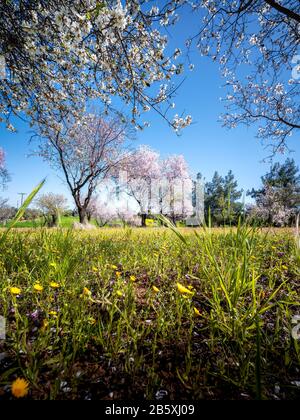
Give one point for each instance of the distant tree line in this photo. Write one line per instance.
(276, 202)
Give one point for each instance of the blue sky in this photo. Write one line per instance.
(206, 145)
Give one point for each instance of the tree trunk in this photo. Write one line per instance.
(54, 220)
(83, 216)
(143, 219)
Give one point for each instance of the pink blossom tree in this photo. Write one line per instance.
(142, 168)
(103, 212)
(270, 208)
(175, 192)
(87, 152)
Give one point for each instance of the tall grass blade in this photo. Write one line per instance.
(22, 209)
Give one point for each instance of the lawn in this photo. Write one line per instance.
(150, 313)
(65, 222)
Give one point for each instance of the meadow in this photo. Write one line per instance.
(153, 313)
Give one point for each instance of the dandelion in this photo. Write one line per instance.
(156, 289)
(119, 293)
(132, 278)
(118, 273)
(15, 290)
(37, 287)
(44, 324)
(86, 292)
(53, 313)
(19, 388)
(197, 312)
(183, 289)
(54, 285)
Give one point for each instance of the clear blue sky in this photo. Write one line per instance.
(206, 145)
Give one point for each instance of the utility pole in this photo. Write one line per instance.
(22, 195)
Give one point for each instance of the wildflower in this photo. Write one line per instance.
(197, 312)
(54, 285)
(118, 273)
(114, 267)
(86, 292)
(119, 293)
(284, 267)
(156, 289)
(15, 290)
(19, 388)
(37, 287)
(183, 289)
(53, 313)
(132, 278)
(44, 325)
(95, 269)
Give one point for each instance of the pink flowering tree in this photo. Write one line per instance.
(126, 215)
(142, 168)
(103, 212)
(176, 187)
(86, 152)
(270, 208)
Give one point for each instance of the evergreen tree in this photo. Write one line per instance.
(221, 195)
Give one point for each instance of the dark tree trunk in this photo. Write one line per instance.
(143, 219)
(83, 216)
(54, 219)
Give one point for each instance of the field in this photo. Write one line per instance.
(150, 313)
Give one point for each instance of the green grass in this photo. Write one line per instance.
(118, 323)
(65, 222)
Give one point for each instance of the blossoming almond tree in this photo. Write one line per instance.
(158, 186)
(175, 195)
(142, 168)
(256, 42)
(86, 151)
(59, 53)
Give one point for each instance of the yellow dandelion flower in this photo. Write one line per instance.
(37, 287)
(183, 289)
(54, 285)
(19, 388)
(86, 292)
(156, 289)
(44, 325)
(132, 278)
(197, 312)
(119, 293)
(15, 290)
(53, 313)
(118, 273)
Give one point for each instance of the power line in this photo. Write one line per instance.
(22, 200)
